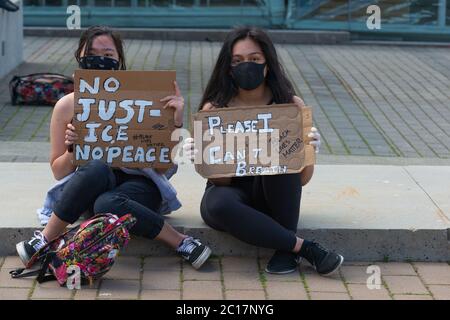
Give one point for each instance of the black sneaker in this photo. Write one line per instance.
(324, 261)
(194, 251)
(27, 249)
(282, 262)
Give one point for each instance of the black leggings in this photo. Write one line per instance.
(98, 188)
(261, 210)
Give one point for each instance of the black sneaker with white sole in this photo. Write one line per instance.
(27, 249)
(282, 262)
(324, 261)
(194, 251)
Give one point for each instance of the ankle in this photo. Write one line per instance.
(303, 250)
(181, 240)
(298, 245)
(46, 238)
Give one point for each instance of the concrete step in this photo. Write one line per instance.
(366, 212)
(187, 34)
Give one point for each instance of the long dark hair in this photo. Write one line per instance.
(221, 88)
(88, 36)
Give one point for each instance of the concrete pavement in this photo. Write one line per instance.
(237, 278)
(368, 100)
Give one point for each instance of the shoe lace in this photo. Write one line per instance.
(313, 252)
(38, 240)
(317, 252)
(188, 245)
(319, 246)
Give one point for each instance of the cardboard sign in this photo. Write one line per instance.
(119, 118)
(267, 139)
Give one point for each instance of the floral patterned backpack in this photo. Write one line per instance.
(92, 247)
(39, 88)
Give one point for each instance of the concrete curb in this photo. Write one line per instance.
(354, 245)
(278, 36)
(405, 43)
(218, 35)
(365, 212)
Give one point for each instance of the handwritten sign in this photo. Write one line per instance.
(119, 118)
(248, 141)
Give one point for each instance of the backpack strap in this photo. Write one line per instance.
(18, 273)
(41, 273)
(42, 276)
(12, 89)
(46, 74)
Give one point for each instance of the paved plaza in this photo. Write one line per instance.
(236, 278)
(387, 101)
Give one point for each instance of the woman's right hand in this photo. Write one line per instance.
(71, 136)
(189, 150)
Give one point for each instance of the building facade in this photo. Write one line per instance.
(407, 19)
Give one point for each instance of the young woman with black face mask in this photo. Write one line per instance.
(96, 187)
(260, 210)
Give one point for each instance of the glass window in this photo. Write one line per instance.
(447, 14)
(412, 12)
(31, 2)
(160, 3)
(103, 3)
(402, 12)
(77, 2)
(234, 3)
(53, 3)
(327, 10)
(122, 3)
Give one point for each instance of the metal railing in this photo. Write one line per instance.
(143, 3)
(157, 13)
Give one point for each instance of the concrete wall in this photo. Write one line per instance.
(11, 39)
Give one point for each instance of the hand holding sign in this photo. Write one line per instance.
(315, 136)
(189, 149)
(177, 103)
(71, 136)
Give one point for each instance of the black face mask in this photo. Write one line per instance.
(248, 75)
(98, 63)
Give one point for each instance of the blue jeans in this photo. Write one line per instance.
(97, 187)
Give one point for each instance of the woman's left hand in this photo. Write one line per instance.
(315, 139)
(177, 103)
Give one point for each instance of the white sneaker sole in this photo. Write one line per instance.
(282, 272)
(297, 260)
(202, 258)
(341, 260)
(20, 248)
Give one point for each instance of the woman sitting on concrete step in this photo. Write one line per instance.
(259, 210)
(95, 186)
